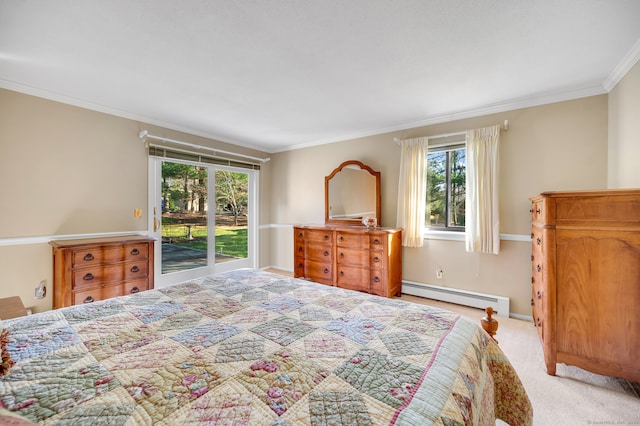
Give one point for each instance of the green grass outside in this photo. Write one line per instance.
(230, 240)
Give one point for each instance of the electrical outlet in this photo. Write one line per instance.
(439, 272)
(41, 290)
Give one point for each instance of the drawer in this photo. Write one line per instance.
(108, 291)
(107, 254)
(353, 278)
(353, 240)
(378, 283)
(377, 260)
(109, 273)
(354, 257)
(319, 253)
(537, 211)
(377, 241)
(298, 267)
(317, 236)
(318, 271)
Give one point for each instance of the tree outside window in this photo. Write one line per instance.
(446, 192)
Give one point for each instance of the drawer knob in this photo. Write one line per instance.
(538, 323)
(326, 270)
(88, 257)
(299, 249)
(538, 241)
(135, 252)
(135, 269)
(325, 253)
(88, 276)
(326, 237)
(376, 259)
(532, 258)
(342, 273)
(300, 235)
(538, 268)
(532, 280)
(376, 241)
(539, 296)
(532, 302)
(135, 290)
(341, 238)
(376, 279)
(88, 299)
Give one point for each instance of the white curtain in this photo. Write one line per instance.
(412, 191)
(482, 226)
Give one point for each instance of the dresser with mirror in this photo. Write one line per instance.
(350, 250)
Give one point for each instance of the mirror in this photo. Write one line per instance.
(351, 192)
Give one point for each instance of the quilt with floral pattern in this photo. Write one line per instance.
(253, 348)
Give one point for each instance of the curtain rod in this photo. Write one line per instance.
(145, 135)
(505, 127)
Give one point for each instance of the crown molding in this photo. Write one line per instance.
(510, 105)
(81, 103)
(623, 67)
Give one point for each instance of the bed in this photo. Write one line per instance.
(249, 347)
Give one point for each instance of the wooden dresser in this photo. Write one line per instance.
(351, 257)
(95, 269)
(586, 280)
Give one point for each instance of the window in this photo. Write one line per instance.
(446, 176)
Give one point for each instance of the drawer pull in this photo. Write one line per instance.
(325, 253)
(326, 237)
(341, 255)
(135, 252)
(88, 257)
(538, 323)
(537, 210)
(532, 280)
(342, 273)
(538, 268)
(538, 241)
(376, 259)
(532, 302)
(532, 235)
(538, 295)
(88, 299)
(299, 249)
(135, 290)
(300, 235)
(341, 238)
(532, 258)
(376, 241)
(300, 265)
(88, 276)
(376, 279)
(326, 270)
(135, 269)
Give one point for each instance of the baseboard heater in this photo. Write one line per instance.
(499, 304)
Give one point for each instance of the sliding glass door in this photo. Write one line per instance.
(203, 219)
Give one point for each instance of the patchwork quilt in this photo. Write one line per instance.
(253, 348)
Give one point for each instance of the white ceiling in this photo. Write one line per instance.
(282, 74)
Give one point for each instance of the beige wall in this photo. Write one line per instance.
(66, 171)
(560, 146)
(624, 131)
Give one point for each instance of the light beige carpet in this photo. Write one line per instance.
(572, 397)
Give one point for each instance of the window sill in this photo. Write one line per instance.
(444, 235)
(460, 236)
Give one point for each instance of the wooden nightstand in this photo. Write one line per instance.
(12, 307)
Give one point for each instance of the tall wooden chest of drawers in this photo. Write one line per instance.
(354, 258)
(95, 269)
(586, 279)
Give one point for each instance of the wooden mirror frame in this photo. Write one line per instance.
(357, 221)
